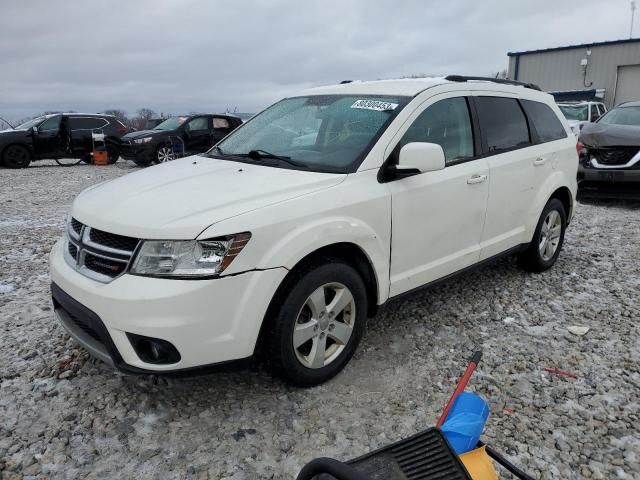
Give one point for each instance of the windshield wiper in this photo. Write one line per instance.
(260, 154)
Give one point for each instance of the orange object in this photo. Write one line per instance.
(479, 464)
(100, 157)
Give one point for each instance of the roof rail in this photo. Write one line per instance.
(462, 78)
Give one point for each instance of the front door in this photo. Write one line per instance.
(438, 217)
(47, 142)
(197, 135)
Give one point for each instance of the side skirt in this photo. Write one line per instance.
(512, 251)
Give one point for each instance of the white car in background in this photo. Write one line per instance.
(580, 113)
(287, 245)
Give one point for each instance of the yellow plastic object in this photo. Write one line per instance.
(479, 464)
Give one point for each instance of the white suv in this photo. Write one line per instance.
(291, 231)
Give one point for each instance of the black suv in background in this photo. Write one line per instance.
(61, 135)
(177, 136)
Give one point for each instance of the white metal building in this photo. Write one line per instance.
(606, 70)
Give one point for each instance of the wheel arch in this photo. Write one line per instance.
(564, 195)
(347, 252)
(25, 145)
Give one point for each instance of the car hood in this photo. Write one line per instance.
(602, 135)
(12, 134)
(179, 199)
(143, 133)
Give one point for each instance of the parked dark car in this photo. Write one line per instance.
(610, 148)
(177, 136)
(62, 135)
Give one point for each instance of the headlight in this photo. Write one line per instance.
(190, 258)
(143, 140)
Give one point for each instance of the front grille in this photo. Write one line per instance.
(614, 156)
(76, 226)
(108, 267)
(97, 254)
(111, 240)
(85, 327)
(73, 251)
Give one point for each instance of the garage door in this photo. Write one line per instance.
(628, 84)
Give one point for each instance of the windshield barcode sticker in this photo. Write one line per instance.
(374, 105)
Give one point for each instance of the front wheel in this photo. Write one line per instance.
(16, 156)
(544, 249)
(319, 323)
(164, 154)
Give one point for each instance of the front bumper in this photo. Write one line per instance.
(608, 175)
(138, 152)
(208, 321)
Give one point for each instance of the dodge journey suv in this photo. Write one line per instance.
(288, 234)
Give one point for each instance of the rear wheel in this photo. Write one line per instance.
(16, 156)
(544, 249)
(113, 154)
(319, 323)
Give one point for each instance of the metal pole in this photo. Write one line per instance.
(633, 12)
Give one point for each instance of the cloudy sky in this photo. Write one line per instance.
(187, 55)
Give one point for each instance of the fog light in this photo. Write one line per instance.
(154, 350)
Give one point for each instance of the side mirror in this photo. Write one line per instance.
(34, 130)
(421, 156)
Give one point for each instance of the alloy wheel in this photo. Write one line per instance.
(324, 325)
(550, 235)
(16, 156)
(164, 154)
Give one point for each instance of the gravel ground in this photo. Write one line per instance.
(64, 415)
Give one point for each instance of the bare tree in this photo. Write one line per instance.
(142, 117)
(501, 74)
(120, 115)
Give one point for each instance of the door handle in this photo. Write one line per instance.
(476, 179)
(539, 161)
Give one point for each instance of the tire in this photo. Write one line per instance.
(544, 249)
(163, 154)
(302, 308)
(113, 154)
(16, 156)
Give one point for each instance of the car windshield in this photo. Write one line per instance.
(30, 123)
(575, 112)
(171, 123)
(330, 133)
(622, 116)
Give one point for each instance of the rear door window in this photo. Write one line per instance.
(503, 123)
(220, 123)
(544, 120)
(87, 123)
(198, 124)
(446, 123)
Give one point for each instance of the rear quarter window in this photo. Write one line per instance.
(503, 123)
(87, 123)
(546, 123)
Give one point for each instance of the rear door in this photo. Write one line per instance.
(514, 168)
(82, 130)
(437, 217)
(221, 128)
(197, 135)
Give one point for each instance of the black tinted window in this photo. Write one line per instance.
(503, 123)
(87, 123)
(52, 123)
(197, 124)
(446, 123)
(544, 121)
